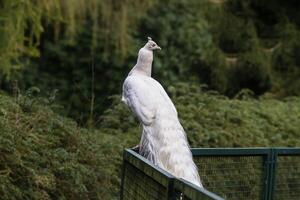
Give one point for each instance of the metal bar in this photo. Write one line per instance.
(229, 151)
(270, 174)
(287, 151)
(267, 161)
(171, 190)
(273, 175)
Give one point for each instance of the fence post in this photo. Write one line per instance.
(267, 175)
(271, 172)
(171, 190)
(273, 169)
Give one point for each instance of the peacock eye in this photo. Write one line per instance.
(153, 45)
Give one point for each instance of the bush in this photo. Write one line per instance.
(46, 156)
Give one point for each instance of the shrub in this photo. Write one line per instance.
(46, 156)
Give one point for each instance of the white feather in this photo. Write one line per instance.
(163, 140)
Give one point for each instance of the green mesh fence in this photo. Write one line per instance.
(233, 177)
(234, 174)
(141, 180)
(287, 180)
(137, 185)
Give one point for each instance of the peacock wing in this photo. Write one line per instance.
(138, 95)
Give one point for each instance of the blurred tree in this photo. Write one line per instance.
(184, 34)
(251, 72)
(23, 22)
(286, 63)
(86, 49)
(64, 43)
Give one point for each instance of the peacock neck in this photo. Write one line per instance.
(144, 63)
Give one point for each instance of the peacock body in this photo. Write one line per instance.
(163, 140)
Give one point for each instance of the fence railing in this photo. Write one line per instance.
(227, 173)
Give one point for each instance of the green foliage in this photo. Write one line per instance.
(236, 35)
(46, 156)
(22, 23)
(212, 120)
(13, 23)
(189, 48)
(85, 50)
(81, 40)
(74, 64)
(79, 52)
(286, 63)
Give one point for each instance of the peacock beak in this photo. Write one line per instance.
(158, 47)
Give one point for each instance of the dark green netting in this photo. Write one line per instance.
(287, 181)
(233, 174)
(233, 177)
(139, 186)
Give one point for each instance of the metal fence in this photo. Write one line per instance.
(227, 173)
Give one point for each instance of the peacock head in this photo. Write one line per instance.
(151, 45)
